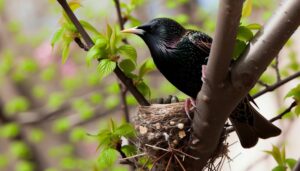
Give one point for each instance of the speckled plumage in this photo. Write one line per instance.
(179, 55)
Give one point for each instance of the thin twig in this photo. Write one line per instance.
(89, 43)
(156, 148)
(276, 85)
(284, 112)
(135, 156)
(276, 67)
(179, 162)
(262, 84)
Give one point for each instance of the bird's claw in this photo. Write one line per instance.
(189, 105)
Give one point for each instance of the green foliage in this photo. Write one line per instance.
(111, 137)
(19, 149)
(56, 100)
(247, 8)
(24, 166)
(15, 105)
(295, 94)
(9, 130)
(36, 135)
(38, 91)
(111, 101)
(244, 36)
(105, 67)
(61, 125)
(77, 134)
(48, 73)
(280, 157)
(96, 98)
(3, 161)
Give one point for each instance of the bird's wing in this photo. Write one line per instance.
(201, 40)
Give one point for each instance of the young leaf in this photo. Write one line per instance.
(126, 130)
(105, 67)
(238, 48)
(254, 26)
(57, 36)
(291, 162)
(279, 168)
(128, 52)
(108, 31)
(247, 8)
(129, 150)
(93, 53)
(146, 67)
(295, 93)
(244, 34)
(74, 4)
(89, 27)
(127, 65)
(107, 157)
(144, 89)
(66, 51)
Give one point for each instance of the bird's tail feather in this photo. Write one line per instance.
(251, 125)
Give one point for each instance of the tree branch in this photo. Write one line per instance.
(276, 85)
(284, 112)
(216, 101)
(89, 42)
(205, 123)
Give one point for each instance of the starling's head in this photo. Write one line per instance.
(159, 31)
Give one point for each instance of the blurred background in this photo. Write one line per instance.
(48, 109)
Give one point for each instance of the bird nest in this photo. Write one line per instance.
(166, 129)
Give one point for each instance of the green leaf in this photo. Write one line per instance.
(254, 26)
(93, 53)
(147, 66)
(48, 73)
(105, 67)
(77, 134)
(66, 51)
(15, 105)
(9, 130)
(24, 166)
(295, 92)
(104, 138)
(276, 155)
(244, 34)
(291, 162)
(36, 135)
(127, 65)
(61, 125)
(126, 130)
(107, 157)
(129, 150)
(57, 36)
(128, 52)
(108, 31)
(3, 161)
(279, 168)
(56, 100)
(96, 98)
(19, 149)
(239, 47)
(89, 27)
(247, 8)
(144, 89)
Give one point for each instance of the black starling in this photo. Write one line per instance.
(179, 54)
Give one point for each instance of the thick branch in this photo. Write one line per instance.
(205, 125)
(216, 101)
(125, 80)
(276, 85)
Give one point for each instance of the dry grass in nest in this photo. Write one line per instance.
(164, 131)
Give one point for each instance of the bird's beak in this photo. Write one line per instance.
(134, 30)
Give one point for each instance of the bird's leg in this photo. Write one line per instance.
(189, 104)
(203, 78)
